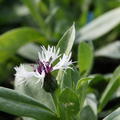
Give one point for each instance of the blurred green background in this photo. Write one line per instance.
(26, 24)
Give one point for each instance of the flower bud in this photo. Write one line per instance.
(50, 83)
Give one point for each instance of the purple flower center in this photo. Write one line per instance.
(44, 66)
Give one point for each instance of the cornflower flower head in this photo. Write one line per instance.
(42, 71)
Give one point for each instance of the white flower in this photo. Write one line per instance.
(40, 77)
(63, 63)
(44, 65)
(49, 55)
(22, 74)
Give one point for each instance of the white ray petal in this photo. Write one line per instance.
(49, 55)
(40, 77)
(64, 62)
(22, 75)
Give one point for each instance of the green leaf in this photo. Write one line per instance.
(29, 51)
(12, 40)
(67, 79)
(117, 93)
(51, 15)
(21, 10)
(114, 115)
(70, 101)
(32, 6)
(81, 89)
(99, 26)
(26, 118)
(65, 44)
(98, 81)
(21, 105)
(111, 50)
(92, 102)
(85, 57)
(71, 77)
(110, 89)
(90, 108)
(75, 75)
(87, 114)
(35, 91)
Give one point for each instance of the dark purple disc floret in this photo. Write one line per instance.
(44, 66)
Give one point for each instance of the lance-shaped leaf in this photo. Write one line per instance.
(99, 26)
(14, 39)
(65, 44)
(85, 57)
(112, 50)
(32, 6)
(110, 89)
(90, 107)
(114, 115)
(81, 89)
(29, 51)
(21, 105)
